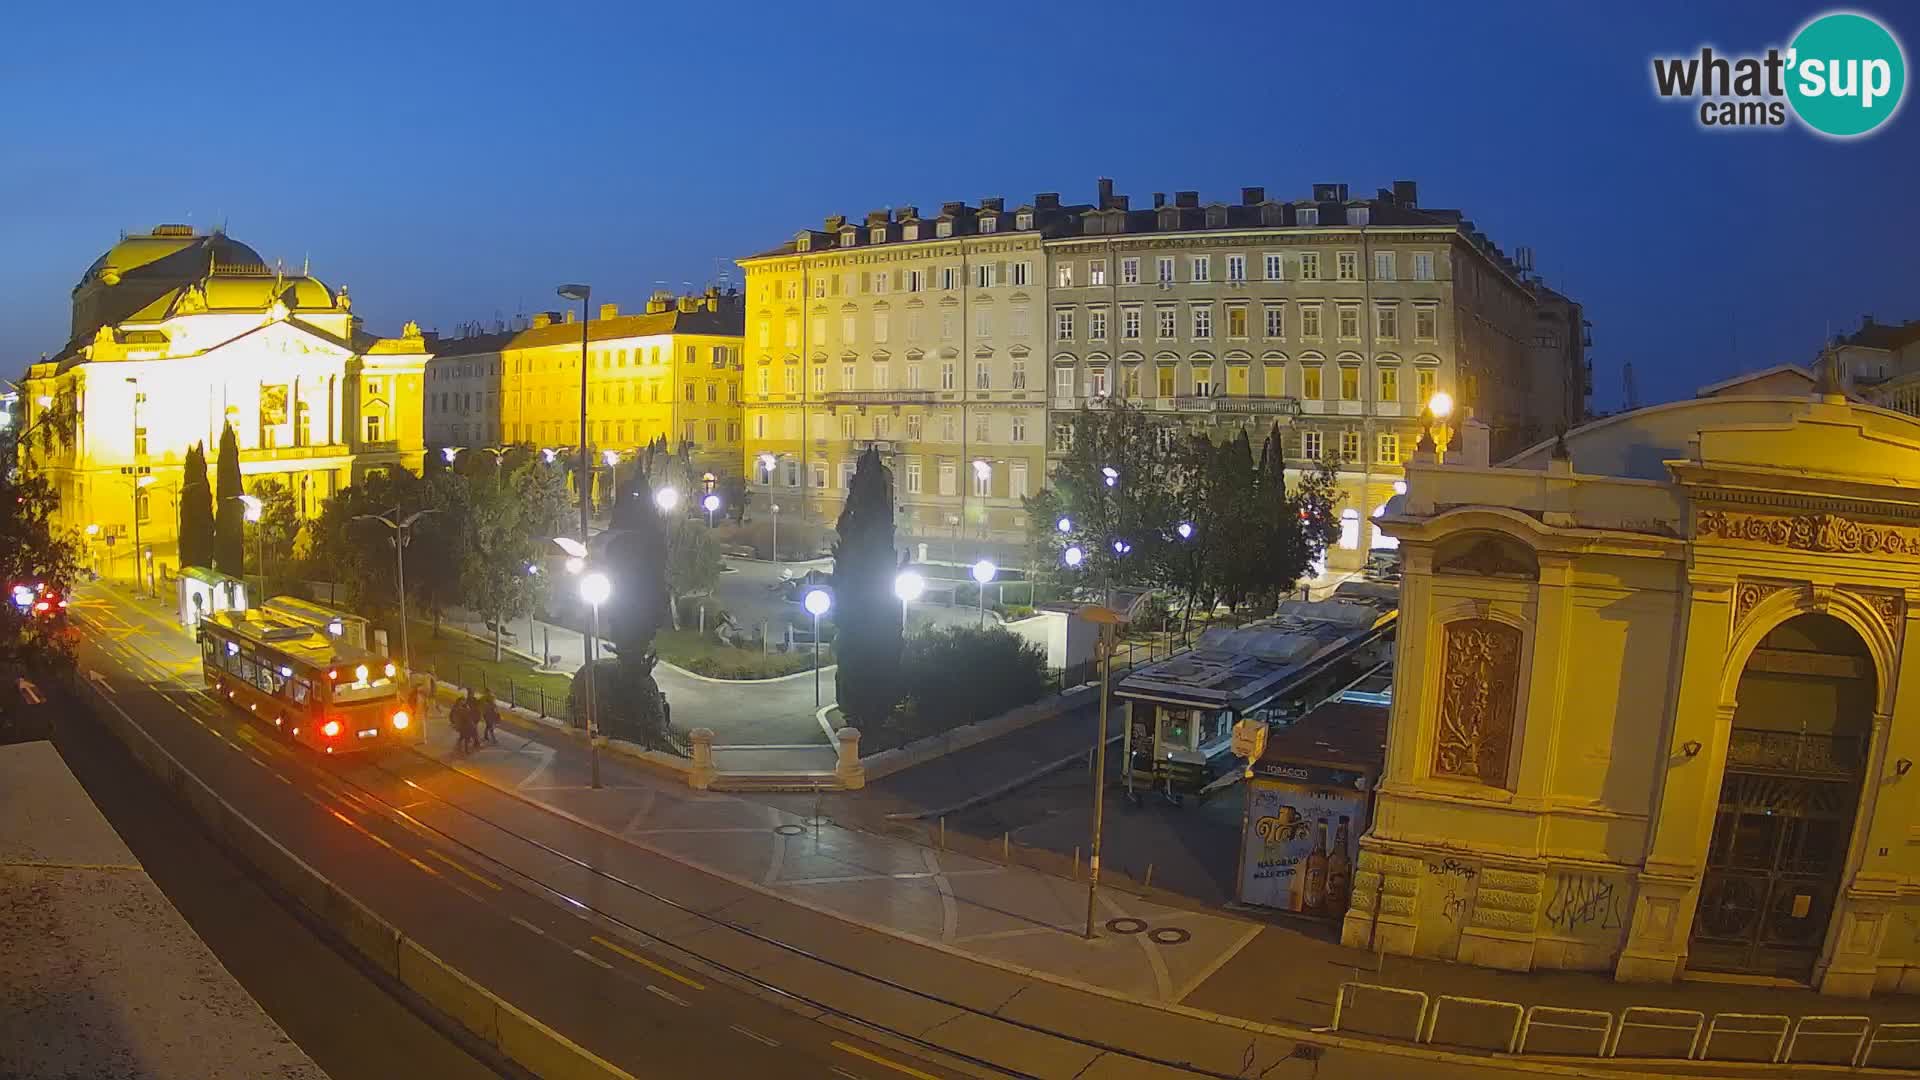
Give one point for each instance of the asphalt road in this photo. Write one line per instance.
(362, 826)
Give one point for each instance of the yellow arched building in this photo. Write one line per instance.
(176, 334)
(1651, 711)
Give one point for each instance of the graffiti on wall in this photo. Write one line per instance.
(1584, 904)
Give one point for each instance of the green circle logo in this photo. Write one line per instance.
(1846, 74)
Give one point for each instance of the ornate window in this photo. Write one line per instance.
(1478, 686)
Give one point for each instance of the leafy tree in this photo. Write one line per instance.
(734, 490)
(634, 552)
(693, 561)
(868, 615)
(229, 514)
(196, 510)
(1139, 509)
(275, 532)
(32, 550)
(957, 675)
(508, 527)
(438, 544)
(358, 553)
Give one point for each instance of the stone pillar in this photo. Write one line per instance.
(701, 778)
(852, 775)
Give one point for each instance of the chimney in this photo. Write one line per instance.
(1047, 200)
(1159, 199)
(1106, 193)
(1406, 193)
(1866, 320)
(834, 221)
(609, 311)
(659, 302)
(952, 209)
(1120, 202)
(540, 319)
(995, 204)
(1252, 196)
(909, 213)
(687, 304)
(568, 317)
(1187, 199)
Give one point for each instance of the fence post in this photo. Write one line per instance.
(543, 701)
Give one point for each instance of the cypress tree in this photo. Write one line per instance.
(196, 510)
(864, 608)
(229, 514)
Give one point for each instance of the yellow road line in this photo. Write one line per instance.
(423, 866)
(648, 964)
(457, 865)
(905, 1070)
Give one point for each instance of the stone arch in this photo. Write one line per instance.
(1786, 604)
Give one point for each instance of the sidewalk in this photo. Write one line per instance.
(1028, 922)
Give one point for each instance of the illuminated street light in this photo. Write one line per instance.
(1185, 529)
(547, 454)
(594, 589)
(1111, 474)
(449, 453)
(666, 499)
(610, 457)
(1121, 547)
(571, 546)
(710, 504)
(817, 602)
(402, 530)
(1441, 403)
(1073, 556)
(982, 469)
(908, 585)
(93, 529)
(252, 508)
(1065, 525)
(983, 572)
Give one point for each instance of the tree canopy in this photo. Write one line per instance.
(229, 514)
(865, 610)
(196, 510)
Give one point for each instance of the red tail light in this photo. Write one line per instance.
(330, 728)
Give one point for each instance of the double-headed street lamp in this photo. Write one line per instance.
(585, 472)
(254, 511)
(595, 587)
(402, 532)
(817, 602)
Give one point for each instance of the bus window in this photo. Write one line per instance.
(301, 690)
(210, 650)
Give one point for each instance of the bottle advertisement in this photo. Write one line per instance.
(1300, 839)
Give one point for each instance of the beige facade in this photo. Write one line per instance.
(1647, 716)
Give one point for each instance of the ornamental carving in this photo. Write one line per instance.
(1808, 532)
(1748, 596)
(1479, 682)
(1888, 607)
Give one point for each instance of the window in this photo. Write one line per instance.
(793, 473)
(1350, 528)
(1063, 324)
(880, 278)
(1272, 267)
(1202, 268)
(1389, 449)
(1164, 268)
(982, 428)
(880, 326)
(1276, 321)
(792, 382)
(1423, 386)
(946, 326)
(1130, 381)
(1096, 271)
(1383, 266)
(913, 326)
(989, 223)
(1426, 322)
(1097, 324)
(765, 333)
(1423, 266)
(882, 423)
(982, 479)
(1017, 480)
(1349, 322)
(847, 426)
(819, 379)
(915, 421)
(1386, 322)
(1163, 380)
(1063, 275)
(1017, 324)
(946, 375)
(1023, 220)
(1202, 323)
(948, 478)
(949, 428)
(916, 280)
(820, 286)
(713, 392)
(793, 333)
(1203, 380)
(1167, 323)
(983, 375)
(1021, 270)
(1018, 431)
(1308, 215)
(713, 432)
(1349, 382)
(760, 430)
(913, 376)
(1062, 437)
(1097, 382)
(1236, 322)
(1389, 384)
(913, 474)
(820, 475)
(882, 378)
(983, 322)
(1310, 266)
(1129, 271)
(375, 430)
(1347, 266)
(849, 330)
(1130, 324)
(983, 276)
(1019, 374)
(1310, 382)
(1236, 268)
(1310, 445)
(1063, 383)
(949, 277)
(690, 391)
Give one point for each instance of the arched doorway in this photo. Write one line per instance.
(1795, 761)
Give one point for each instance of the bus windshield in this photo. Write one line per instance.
(379, 686)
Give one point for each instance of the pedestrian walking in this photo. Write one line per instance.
(463, 723)
(491, 714)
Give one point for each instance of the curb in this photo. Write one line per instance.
(920, 751)
(656, 761)
(1014, 784)
(745, 682)
(517, 1035)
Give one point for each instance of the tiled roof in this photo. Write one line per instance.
(729, 321)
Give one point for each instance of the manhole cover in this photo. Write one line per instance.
(1126, 926)
(1169, 935)
(788, 830)
(818, 820)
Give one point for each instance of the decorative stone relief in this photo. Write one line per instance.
(1888, 606)
(1479, 681)
(1808, 532)
(1748, 596)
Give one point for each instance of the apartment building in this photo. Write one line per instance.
(673, 370)
(922, 337)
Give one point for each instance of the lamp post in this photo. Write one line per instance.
(983, 572)
(907, 585)
(1108, 619)
(401, 531)
(585, 472)
(774, 508)
(1441, 406)
(254, 511)
(817, 603)
(768, 463)
(594, 589)
(134, 455)
(710, 504)
(612, 460)
(666, 499)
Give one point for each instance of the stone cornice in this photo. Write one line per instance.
(1815, 532)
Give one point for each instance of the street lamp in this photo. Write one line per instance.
(1185, 529)
(401, 530)
(983, 572)
(767, 464)
(1073, 556)
(817, 602)
(585, 476)
(1064, 525)
(710, 504)
(139, 484)
(907, 585)
(1108, 620)
(594, 589)
(666, 499)
(254, 510)
(1111, 475)
(449, 453)
(774, 508)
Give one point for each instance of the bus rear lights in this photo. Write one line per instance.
(400, 720)
(279, 720)
(391, 670)
(330, 728)
(360, 673)
(332, 674)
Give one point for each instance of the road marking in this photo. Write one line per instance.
(590, 958)
(840, 1072)
(680, 1001)
(904, 1070)
(754, 1035)
(423, 866)
(528, 925)
(283, 777)
(457, 865)
(648, 964)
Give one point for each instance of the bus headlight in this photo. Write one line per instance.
(330, 728)
(390, 670)
(400, 720)
(360, 673)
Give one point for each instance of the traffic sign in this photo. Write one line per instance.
(1250, 739)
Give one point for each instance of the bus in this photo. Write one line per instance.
(310, 685)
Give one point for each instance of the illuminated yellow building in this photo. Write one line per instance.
(176, 334)
(673, 371)
(1647, 708)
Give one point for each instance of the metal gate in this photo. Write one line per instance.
(1779, 846)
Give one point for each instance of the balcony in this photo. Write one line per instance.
(1258, 405)
(880, 397)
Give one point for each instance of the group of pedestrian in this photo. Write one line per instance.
(474, 719)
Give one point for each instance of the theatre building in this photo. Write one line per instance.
(1651, 702)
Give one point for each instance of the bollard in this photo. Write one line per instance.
(943, 832)
(852, 775)
(701, 778)
(1076, 862)
(1149, 882)
(543, 702)
(1006, 855)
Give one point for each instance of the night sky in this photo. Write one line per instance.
(452, 160)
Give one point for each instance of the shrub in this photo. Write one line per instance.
(958, 675)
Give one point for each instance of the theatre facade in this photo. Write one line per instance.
(1648, 709)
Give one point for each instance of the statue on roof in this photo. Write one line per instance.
(102, 341)
(191, 301)
(411, 330)
(343, 301)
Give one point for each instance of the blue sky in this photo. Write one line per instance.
(453, 160)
